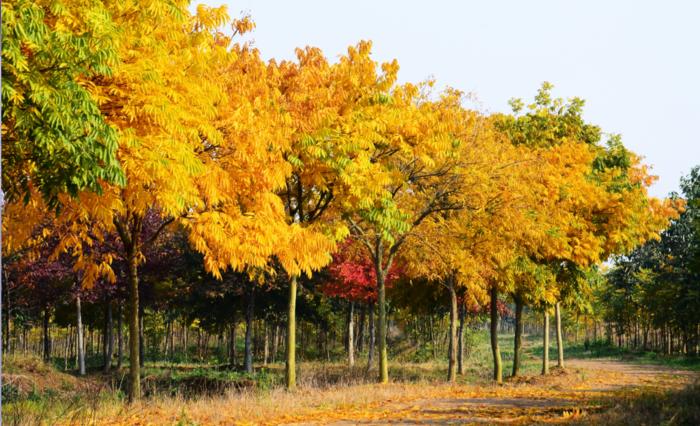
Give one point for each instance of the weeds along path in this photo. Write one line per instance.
(579, 394)
(585, 388)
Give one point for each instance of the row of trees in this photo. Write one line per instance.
(172, 135)
(652, 294)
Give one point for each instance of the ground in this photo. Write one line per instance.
(587, 391)
(570, 395)
(590, 390)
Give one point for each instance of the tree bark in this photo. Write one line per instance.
(452, 357)
(68, 345)
(290, 366)
(232, 344)
(361, 329)
(134, 328)
(142, 342)
(460, 339)
(518, 343)
(266, 343)
(120, 337)
(109, 338)
(381, 300)
(6, 342)
(497, 363)
(249, 316)
(545, 344)
(560, 340)
(370, 343)
(80, 342)
(47, 335)
(351, 334)
(275, 342)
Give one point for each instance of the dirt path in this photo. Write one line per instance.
(580, 390)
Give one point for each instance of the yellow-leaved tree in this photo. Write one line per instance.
(589, 199)
(192, 145)
(430, 159)
(463, 248)
(326, 151)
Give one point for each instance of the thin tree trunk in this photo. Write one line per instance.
(109, 338)
(249, 316)
(290, 366)
(169, 340)
(134, 327)
(66, 352)
(80, 342)
(142, 342)
(361, 329)
(266, 343)
(545, 344)
(452, 358)
(232, 344)
(560, 340)
(185, 338)
(518, 344)
(120, 336)
(351, 334)
(460, 339)
(497, 363)
(275, 342)
(6, 343)
(370, 344)
(381, 300)
(47, 335)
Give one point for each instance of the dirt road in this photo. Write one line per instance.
(583, 388)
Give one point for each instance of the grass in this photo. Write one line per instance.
(37, 393)
(649, 406)
(601, 349)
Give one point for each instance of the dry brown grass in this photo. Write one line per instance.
(332, 393)
(566, 396)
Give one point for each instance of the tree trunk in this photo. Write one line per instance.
(290, 366)
(6, 342)
(232, 344)
(518, 344)
(381, 300)
(460, 339)
(142, 342)
(497, 363)
(361, 330)
(545, 344)
(80, 342)
(134, 333)
(109, 338)
(249, 316)
(351, 334)
(275, 342)
(452, 358)
(370, 343)
(66, 352)
(120, 337)
(560, 340)
(47, 335)
(171, 340)
(266, 343)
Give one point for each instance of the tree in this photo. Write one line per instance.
(353, 278)
(55, 138)
(162, 99)
(326, 105)
(654, 287)
(419, 162)
(592, 198)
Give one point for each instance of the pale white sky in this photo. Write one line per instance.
(636, 63)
